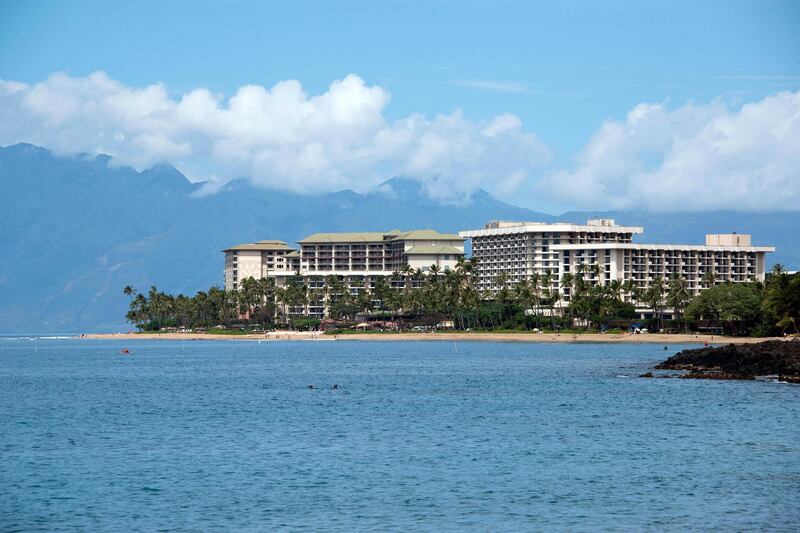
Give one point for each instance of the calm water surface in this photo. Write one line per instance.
(428, 436)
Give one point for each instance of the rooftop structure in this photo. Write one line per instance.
(260, 245)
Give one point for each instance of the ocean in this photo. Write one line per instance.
(432, 436)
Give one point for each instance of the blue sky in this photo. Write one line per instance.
(562, 68)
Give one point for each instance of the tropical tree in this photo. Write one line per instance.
(654, 297)
(709, 278)
(782, 299)
(736, 305)
(678, 295)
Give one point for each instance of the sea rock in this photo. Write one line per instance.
(739, 361)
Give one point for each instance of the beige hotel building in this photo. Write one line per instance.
(357, 259)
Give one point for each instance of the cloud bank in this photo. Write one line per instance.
(277, 137)
(693, 157)
(696, 157)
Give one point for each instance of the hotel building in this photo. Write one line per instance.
(259, 260)
(357, 259)
(518, 249)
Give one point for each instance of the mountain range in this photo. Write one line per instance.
(75, 230)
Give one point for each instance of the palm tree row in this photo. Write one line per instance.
(411, 296)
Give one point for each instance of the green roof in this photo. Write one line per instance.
(429, 235)
(260, 245)
(433, 250)
(374, 236)
(326, 238)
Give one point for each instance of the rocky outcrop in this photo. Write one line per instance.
(779, 359)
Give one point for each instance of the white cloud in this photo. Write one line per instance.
(695, 157)
(278, 137)
(497, 86)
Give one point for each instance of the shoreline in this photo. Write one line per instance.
(648, 338)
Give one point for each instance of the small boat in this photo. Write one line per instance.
(125, 351)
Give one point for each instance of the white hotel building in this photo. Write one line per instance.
(519, 249)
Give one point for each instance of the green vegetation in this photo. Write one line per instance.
(769, 308)
(419, 301)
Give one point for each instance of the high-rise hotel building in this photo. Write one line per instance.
(519, 249)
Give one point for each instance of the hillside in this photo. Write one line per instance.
(75, 230)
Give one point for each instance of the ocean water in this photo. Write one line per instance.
(433, 436)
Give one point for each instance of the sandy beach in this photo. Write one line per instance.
(655, 338)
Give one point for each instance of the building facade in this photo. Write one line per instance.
(258, 260)
(724, 258)
(356, 260)
(517, 250)
(378, 253)
(601, 251)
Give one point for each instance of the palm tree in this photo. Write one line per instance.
(522, 293)
(155, 305)
(549, 295)
(203, 309)
(534, 289)
(615, 289)
(782, 300)
(501, 280)
(565, 284)
(138, 313)
(709, 278)
(679, 295)
(381, 291)
(128, 291)
(282, 296)
(777, 269)
(579, 282)
(632, 290)
(249, 296)
(595, 271)
(655, 298)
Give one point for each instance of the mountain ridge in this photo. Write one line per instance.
(77, 229)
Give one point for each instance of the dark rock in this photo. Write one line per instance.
(647, 375)
(739, 361)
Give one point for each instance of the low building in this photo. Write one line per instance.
(378, 253)
(699, 265)
(355, 259)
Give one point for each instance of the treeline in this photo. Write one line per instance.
(435, 298)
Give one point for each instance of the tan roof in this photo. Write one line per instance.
(295, 253)
(433, 250)
(260, 245)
